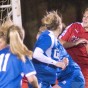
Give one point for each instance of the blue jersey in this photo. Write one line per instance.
(72, 66)
(52, 48)
(72, 76)
(46, 42)
(11, 68)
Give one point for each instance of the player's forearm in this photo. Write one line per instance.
(33, 81)
(38, 55)
(67, 44)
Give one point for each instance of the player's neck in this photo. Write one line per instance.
(56, 33)
(86, 29)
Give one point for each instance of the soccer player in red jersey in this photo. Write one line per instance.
(75, 40)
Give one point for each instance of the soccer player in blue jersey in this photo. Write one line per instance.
(15, 59)
(45, 56)
(50, 59)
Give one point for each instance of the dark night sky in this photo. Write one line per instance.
(34, 10)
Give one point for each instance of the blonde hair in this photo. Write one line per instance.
(4, 28)
(52, 20)
(15, 38)
(42, 28)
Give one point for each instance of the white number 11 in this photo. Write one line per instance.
(3, 61)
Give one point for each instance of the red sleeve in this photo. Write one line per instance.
(68, 32)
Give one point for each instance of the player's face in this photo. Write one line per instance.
(85, 20)
(2, 43)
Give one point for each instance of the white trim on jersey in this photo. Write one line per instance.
(63, 33)
(48, 51)
(31, 73)
(82, 24)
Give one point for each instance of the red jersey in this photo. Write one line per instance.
(72, 33)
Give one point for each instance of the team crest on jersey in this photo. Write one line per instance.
(74, 38)
(64, 82)
(56, 54)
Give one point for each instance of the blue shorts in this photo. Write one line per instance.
(75, 80)
(42, 84)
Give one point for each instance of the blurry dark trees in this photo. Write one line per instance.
(34, 10)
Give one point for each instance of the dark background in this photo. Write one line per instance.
(34, 10)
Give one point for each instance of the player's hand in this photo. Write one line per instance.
(66, 61)
(56, 86)
(81, 41)
(61, 64)
(30, 54)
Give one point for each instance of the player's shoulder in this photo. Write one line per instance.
(76, 24)
(46, 32)
(4, 50)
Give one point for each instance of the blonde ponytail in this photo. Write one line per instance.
(15, 39)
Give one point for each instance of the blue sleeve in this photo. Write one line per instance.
(28, 67)
(44, 42)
